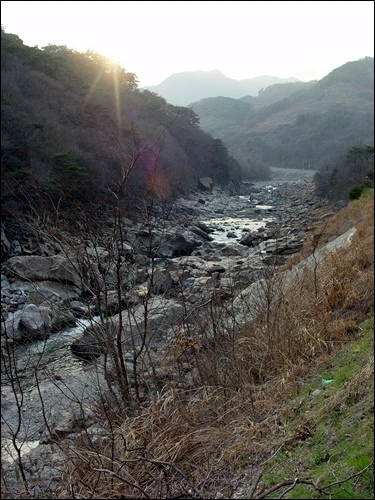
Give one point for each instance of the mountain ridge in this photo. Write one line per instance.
(183, 88)
(296, 125)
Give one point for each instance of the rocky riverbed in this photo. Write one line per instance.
(212, 246)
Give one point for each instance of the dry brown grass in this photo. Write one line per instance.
(359, 214)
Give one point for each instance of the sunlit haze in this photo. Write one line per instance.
(243, 40)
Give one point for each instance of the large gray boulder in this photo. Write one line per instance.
(206, 183)
(145, 323)
(37, 268)
(30, 323)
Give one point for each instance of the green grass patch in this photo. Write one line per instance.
(336, 453)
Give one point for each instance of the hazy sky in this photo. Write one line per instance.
(242, 39)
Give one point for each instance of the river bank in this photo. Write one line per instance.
(197, 270)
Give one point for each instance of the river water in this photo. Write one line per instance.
(53, 355)
(44, 358)
(230, 229)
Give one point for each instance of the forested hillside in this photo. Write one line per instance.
(296, 125)
(76, 127)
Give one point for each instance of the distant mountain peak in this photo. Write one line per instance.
(184, 88)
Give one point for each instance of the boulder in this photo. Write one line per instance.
(86, 350)
(206, 183)
(37, 268)
(30, 323)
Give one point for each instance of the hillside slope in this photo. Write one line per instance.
(296, 125)
(75, 127)
(315, 438)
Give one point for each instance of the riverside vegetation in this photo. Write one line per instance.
(281, 406)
